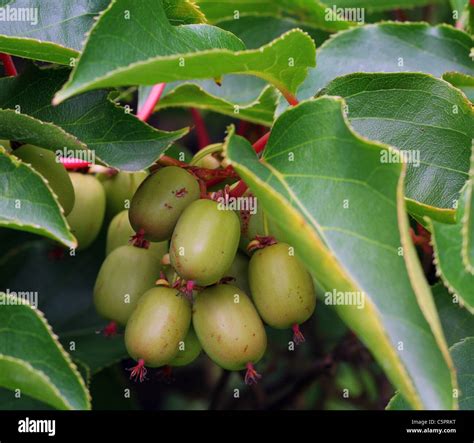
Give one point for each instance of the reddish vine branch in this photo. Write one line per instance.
(10, 69)
(147, 109)
(201, 131)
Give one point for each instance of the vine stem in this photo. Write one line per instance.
(9, 65)
(146, 110)
(201, 131)
(260, 144)
(258, 147)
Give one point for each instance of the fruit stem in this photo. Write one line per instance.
(260, 242)
(163, 280)
(251, 376)
(188, 290)
(201, 131)
(147, 109)
(138, 372)
(138, 240)
(111, 330)
(9, 65)
(298, 336)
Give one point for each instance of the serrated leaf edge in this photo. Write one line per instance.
(466, 234)
(60, 96)
(60, 348)
(268, 89)
(439, 269)
(17, 163)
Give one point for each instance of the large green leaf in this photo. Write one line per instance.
(91, 121)
(457, 322)
(179, 53)
(463, 357)
(447, 243)
(468, 223)
(61, 28)
(343, 211)
(426, 118)
(27, 202)
(393, 47)
(65, 284)
(33, 361)
(462, 353)
(232, 98)
(250, 96)
(306, 12)
(57, 36)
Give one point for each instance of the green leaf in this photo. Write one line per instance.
(27, 266)
(183, 12)
(464, 82)
(27, 203)
(457, 322)
(393, 47)
(256, 31)
(307, 12)
(447, 244)
(463, 358)
(57, 36)
(205, 95)
(8, 402)
(179, 53)
(468, 223)
(93, 349)
(426, 118)
(348, 224)
(252, 96)
(116, 137)
(381, 5)
(32, 360)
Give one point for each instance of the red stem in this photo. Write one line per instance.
(239, 189)
(201, 131)
(290, 98)
(260, 144)
(10, 69)
(150, 103)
